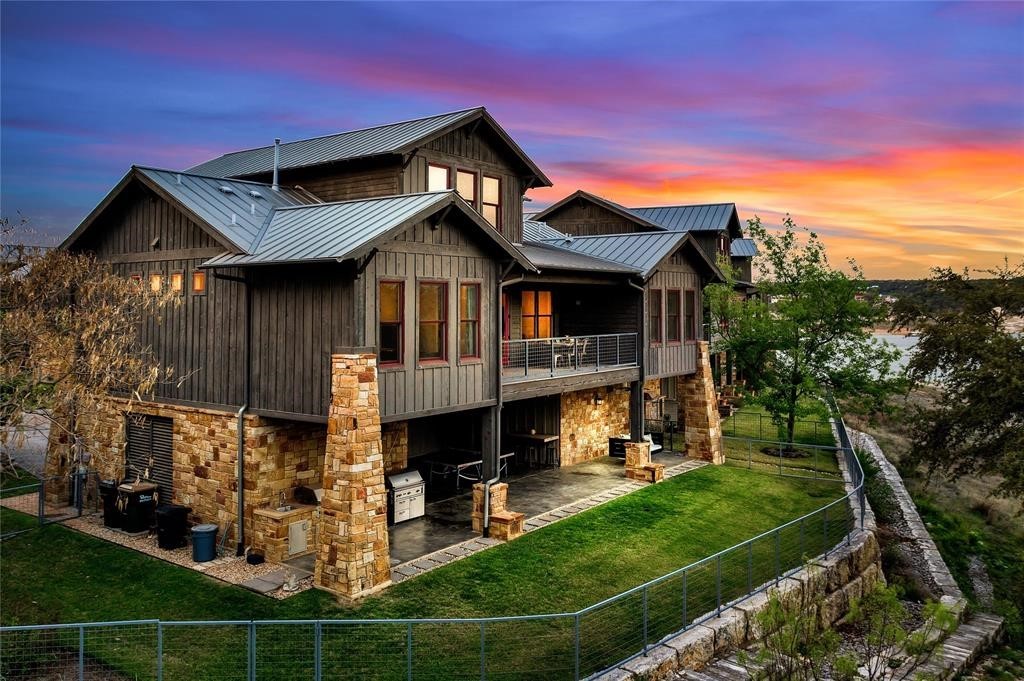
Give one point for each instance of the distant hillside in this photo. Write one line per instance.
(917, 288)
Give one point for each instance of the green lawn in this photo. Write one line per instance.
(754, 422)
(57, 575)
(758, 452)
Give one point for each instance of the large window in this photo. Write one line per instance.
(654, 315)
(469, 321)
(392, 306)
(439, 178)
(673, 305)
(537, 314)
(691, 315)
(433, 317)
(465, 184)
(490, 201)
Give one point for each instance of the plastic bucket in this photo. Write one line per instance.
(204, 543)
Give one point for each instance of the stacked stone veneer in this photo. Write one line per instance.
(278, 457)
(395, 444)
(353, 556)
(586, 425)
(699, 404)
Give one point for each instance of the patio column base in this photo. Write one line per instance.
(638, 459)
(499, 497)
(699, 402)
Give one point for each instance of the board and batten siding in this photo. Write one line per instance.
(201, 339)
(584, 218)
(674, 359)
(468, 149)
(301, 314)
(356, 180)
(454, 255)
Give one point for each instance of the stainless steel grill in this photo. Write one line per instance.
(406, 496)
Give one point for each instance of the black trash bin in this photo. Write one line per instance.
(172, 525)
(108, 493)
(137, 502)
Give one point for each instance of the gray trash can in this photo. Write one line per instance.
(204, 543)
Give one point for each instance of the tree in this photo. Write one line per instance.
(970, 350)
(808, 331)
(69, 338)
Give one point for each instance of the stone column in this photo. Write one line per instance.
(353, 558)
(699, 402)
(499, 499)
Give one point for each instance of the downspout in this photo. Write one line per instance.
(247, 387)
(641, 341)
(499, 318)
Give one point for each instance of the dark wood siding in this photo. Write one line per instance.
(475, 150)
(355, 180)
(453, 253)
(202, 338)
(300, 316)
(583, 218)
(745, 268)
(673, 359)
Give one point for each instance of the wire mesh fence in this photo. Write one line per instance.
(759, 426)
(799, 460)
(49, 500)
(573, 645)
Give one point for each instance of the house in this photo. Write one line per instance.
(357, 303)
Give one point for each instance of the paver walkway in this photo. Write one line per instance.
(431, 561)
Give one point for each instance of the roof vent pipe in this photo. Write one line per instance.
(277, 161)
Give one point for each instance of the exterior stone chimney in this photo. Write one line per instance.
(699, 402)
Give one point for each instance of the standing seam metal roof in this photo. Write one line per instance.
(545, 257)
(708, 217)
(641, 251)
(535, 230)
(743, 248)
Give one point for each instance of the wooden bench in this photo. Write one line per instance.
(506, 525)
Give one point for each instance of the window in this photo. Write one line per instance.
(198, 282)
(691, 316)
(469, 320)
(537, 314)
(655, 315)
(465, 184)
(490, 201)
(178, 282)
(433, 315)
(389, 336)
(723, 244)
(439, 178)
(673, 328)
(136, 279)
(156, 282)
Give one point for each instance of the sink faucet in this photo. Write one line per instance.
(281, 498)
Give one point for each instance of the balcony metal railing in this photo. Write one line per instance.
(567, 355)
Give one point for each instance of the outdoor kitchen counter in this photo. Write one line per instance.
(296, 510)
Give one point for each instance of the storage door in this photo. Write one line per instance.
(148, 454)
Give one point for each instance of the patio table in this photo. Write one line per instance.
(537, 442)
(464, 464)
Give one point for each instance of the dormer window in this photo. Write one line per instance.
(490, 201)
(439, 178)
(465, 184)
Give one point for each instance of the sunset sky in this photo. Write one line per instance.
(896, 130)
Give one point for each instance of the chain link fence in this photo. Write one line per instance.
(573, 645)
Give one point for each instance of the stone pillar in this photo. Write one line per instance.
(699, 403)
(499, 499)
(395, 441)
(638, 463)
(353, 558)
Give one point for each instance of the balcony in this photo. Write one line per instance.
(541, 358)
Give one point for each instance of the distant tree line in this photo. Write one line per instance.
(931, 297)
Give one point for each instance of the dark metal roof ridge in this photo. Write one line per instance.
(207, 177)
(323, 204)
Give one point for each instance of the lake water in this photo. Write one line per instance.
(905, 344)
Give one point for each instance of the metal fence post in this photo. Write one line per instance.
(526, 358)
(483, 644)
(81, 653)
(645, 620)
(408, 652)
(159, 651)
(41, 501)
(718, 583)
(551, 346)
(778, 557)
(576, 654)
(318, 639)
(251, 664)
(824, 530)
(803, 550)
(597, 362)
(750, 454)
(750, 566)
(685, 572)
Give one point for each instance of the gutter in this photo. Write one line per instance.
(240, 550)
(636, 431)
(499, 318)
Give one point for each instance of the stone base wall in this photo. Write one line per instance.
(271, 533)
(498, 503)
(279, 456)
(586, 426)
(652, 388)
(353, 555)
(699, 404)
(395, 442)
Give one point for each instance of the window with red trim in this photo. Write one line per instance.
(654, 315)
(433, 320)
(469, 321)
(537, 315)
(490, 200)
(465, 185)
(439, 178)
(389, 337)
(673, 317)
(691, 315)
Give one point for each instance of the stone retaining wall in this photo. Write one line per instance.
(587, 425)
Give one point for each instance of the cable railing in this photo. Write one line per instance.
(570, 645)
(533, 358)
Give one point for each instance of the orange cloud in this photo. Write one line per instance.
(898, 213)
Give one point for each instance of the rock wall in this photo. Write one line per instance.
(586, 425)
(395, 442)
(699, 405)
(353, 556)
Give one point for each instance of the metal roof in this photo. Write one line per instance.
(547, 257)
(641, 251)
(535, 230)
(226, 205)
(743, 248)
(374, 141)
(601, 201)
(713, 217)
(347, 229)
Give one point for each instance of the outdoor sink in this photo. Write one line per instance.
(284, 508)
